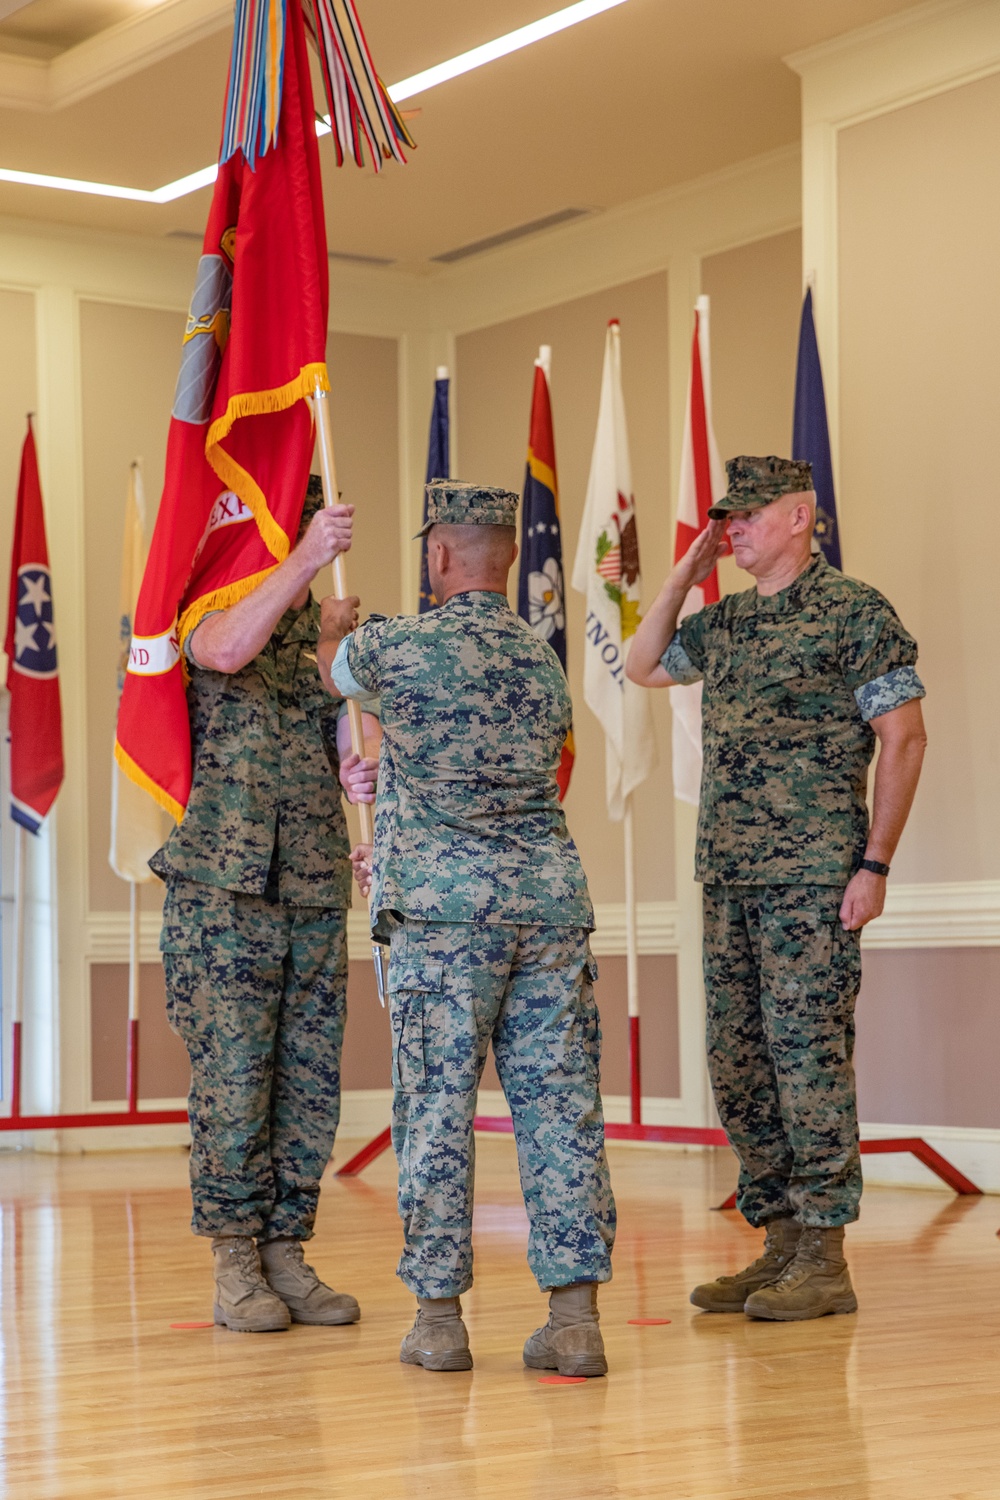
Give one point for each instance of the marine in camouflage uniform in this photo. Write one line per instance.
(791, 682)
(480, 891)
(255, 952)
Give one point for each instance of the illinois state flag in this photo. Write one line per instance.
(702, 482)
(607, 572)
(241, 437)
(541, 588)
(36, 752)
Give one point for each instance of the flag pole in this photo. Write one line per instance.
(632, 970)
(331, 494)
(132, 1085)
(17, 1006)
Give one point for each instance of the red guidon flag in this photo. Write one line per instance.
(703, 481)
(36, 752)
(241, 435)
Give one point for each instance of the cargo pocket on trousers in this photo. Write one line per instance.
(182, 968)
(415, 1009)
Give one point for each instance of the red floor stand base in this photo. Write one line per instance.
(932, 1159)
(366, 1155)
(685, 1135)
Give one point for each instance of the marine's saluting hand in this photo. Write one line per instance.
(702, 555)
(328, 534)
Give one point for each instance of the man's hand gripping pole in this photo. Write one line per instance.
(331, 496)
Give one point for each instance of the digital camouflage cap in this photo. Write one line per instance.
(755, 482)
(452, 503)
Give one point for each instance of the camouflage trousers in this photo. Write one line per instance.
(258, 992)
(454, 988)
(781, 979)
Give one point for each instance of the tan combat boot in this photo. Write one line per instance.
(728, 1294)
(570, 1341)
(438, 1339)
(308, 1299)
(816, 1282)
(243, 1300)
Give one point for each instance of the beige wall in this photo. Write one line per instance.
(919, 376)
(17, 398)
(128, 366)
(493, 401)
(755, 293)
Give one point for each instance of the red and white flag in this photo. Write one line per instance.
(36, 751)
(702, 482)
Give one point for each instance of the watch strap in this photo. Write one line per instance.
(875, 866)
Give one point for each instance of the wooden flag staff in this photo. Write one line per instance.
(331, 493)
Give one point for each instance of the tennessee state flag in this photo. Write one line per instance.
(541, 589)
(241, 435)
(36, 752)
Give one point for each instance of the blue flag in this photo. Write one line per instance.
(811, 436)
(438, 461)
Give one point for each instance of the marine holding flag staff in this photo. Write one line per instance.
(254, 936)
(801, 675)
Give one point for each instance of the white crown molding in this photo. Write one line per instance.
(109, 57)
(899, 60)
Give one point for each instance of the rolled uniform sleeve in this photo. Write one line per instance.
(684, 658)
(878, 657)
(355, 672)
(677, 663)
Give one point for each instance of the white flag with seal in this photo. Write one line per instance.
(136, 821)
(702, 482)
(607, 572)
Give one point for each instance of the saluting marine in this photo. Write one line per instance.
(801, 674)
(479, 890)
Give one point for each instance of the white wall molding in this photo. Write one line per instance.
(959, 914)
(111, 56)
(893, 63)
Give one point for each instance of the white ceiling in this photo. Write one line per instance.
(644, 96)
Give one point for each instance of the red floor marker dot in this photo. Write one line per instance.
(192, 1325)
(648, 1322)
(562, 1380)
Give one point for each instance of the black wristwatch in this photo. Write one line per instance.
(876, 867)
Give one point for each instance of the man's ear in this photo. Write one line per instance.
(802, 519)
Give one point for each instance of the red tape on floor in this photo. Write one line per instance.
(648, 1322)
(562, 1380)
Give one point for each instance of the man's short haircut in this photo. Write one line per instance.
(476, 544)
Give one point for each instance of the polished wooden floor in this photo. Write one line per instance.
(102, 1397)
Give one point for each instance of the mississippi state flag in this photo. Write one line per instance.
(36, 752)
(541, 589)
(241, 435)
(702, 482)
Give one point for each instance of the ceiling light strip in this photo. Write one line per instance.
(571, 15)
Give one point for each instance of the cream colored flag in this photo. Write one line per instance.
(607, 573)
(137, 825)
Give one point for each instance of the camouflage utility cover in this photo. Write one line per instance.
(790, 683)
(451, 502)
(474, 711)
(265, 777)
(755, 482)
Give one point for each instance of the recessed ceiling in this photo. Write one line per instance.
(640, 98)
